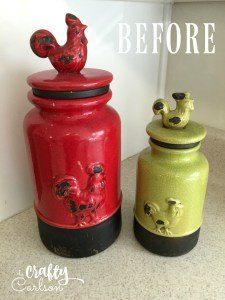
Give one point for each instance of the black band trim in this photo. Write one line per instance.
(174, 146)
(162, 245)
(81, 242)
(70, 94)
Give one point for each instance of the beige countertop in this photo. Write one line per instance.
(126, 270)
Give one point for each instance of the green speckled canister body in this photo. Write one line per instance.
(172, 178)
(168, 173)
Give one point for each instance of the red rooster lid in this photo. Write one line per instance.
(69, 79)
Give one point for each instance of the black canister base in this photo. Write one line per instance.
(165, 246)
(76, 243)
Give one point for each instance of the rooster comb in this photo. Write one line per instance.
(72, 20)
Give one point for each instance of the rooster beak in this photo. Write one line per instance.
(84, 26)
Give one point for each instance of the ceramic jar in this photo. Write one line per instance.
(73, 141)
(171, 181)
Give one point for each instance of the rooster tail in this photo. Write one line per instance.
(151, 208)
(160, 106)
(65, 185)
(42, 42)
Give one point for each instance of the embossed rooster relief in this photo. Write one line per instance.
(70, 57)
(164, 220)
(83, 203)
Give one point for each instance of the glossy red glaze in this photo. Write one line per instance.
(87, 79)
(70, 57)
(74, 151)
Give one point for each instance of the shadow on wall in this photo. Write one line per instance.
(201, 74)
(17, 187)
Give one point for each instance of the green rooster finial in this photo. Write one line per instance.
(179, 117)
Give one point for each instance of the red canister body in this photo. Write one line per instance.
(74, 151)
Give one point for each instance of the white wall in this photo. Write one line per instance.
(134, 87)
(201, 74)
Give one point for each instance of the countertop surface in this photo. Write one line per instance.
(125, 270)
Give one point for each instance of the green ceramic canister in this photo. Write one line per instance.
(171, 181)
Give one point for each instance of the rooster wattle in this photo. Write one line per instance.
(70, 57)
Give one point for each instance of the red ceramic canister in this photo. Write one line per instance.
(73, 141)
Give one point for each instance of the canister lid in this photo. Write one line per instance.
(69, 79)
(175, 131)
(88, 83)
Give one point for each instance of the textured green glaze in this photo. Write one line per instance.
(179, 117)
(178, 174)
(192, 133)
(171, 183)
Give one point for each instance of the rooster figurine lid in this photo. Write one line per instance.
(69, 79)
(175, 130)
